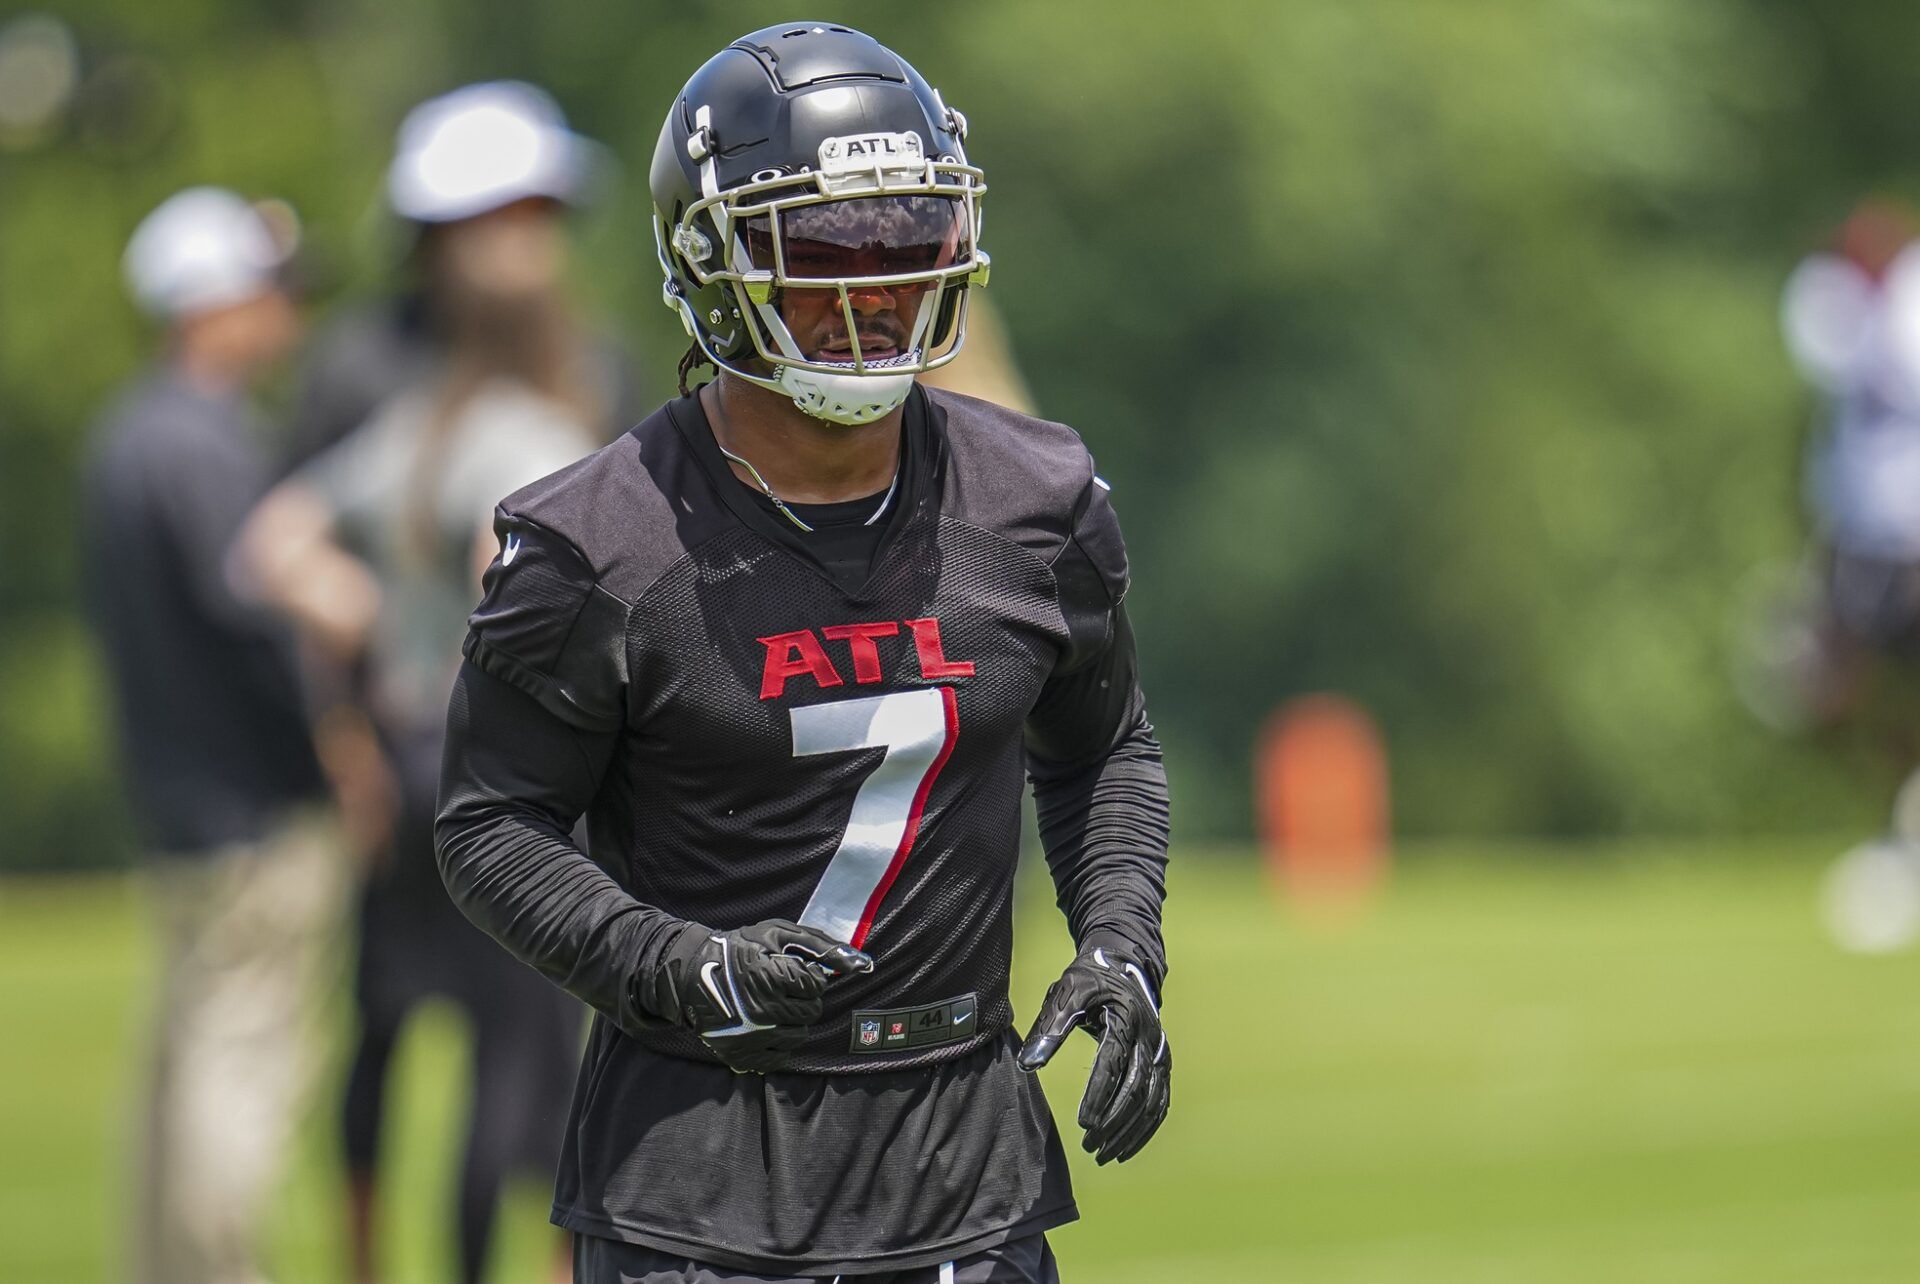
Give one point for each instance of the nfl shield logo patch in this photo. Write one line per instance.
(869, 1033)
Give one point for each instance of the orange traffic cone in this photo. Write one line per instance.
(1320, 783)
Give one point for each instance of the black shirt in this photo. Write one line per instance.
(845, 534)
(753, 733)
(212, 730)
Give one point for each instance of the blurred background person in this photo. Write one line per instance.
(375, 548)
(1841, 317)
(1850, 653)
(462, 158)
(213, 736)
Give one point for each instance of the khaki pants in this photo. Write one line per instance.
(244, 933)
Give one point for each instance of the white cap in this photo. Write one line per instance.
(204, 248)
(482, 147)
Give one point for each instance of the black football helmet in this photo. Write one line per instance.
(809, 156)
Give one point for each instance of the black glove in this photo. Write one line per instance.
(751, 993)
(1131, 1084)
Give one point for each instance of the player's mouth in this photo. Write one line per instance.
(872, 348)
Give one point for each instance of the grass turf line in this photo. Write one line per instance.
(1594, 1066)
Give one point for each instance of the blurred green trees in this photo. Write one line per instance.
(1430, 348)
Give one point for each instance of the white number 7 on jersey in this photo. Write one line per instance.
(917, 729)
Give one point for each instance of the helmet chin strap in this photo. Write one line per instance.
(845, 398)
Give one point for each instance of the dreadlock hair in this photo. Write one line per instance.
(695, 358)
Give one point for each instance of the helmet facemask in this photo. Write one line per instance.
(875, 214)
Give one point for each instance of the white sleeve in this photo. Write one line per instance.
(356, 476)
(1902, 305)
(517, 439)
(1826, 314)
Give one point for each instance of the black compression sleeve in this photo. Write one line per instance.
(1101, 794)
(514, 780)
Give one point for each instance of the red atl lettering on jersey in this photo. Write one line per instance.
(933, 658)
(860, 640)
(790, 655)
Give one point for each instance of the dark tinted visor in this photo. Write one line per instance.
(865, 236)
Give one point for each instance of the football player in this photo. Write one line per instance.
(790, 647)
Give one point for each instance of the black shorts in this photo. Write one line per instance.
(1876, 602)
(1028, 1260)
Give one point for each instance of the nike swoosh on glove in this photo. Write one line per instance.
(750, 993)
(1132, 1081)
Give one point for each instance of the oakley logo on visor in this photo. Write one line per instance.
(852, 152)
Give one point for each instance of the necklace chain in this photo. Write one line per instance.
(781, 504)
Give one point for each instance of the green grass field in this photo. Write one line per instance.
(1619, 1066)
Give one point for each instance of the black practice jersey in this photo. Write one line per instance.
(753, 733)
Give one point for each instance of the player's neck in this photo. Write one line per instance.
(804, 460)
(211, 373)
